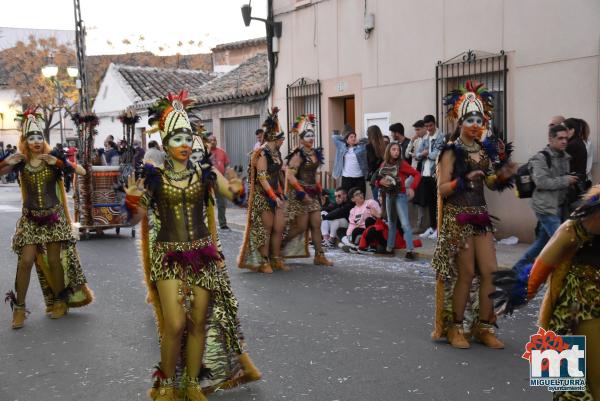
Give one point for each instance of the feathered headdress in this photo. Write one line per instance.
(129, 116)
(471, 99)
(168, 115)
(303, 124)
(31, 122)
(589, 204)
(271, 126)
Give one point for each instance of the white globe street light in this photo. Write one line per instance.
(50, 71)
(73, 71)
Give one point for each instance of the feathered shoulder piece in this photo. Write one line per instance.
(293, 153)
(460, 159)
(299, 151)
(498, 152)
(320, 157)
(267, 152)
(158, 112)
(590, 205)
(473, 96)
(152, 176)
(129, 116)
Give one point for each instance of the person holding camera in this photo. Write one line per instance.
(553, 179)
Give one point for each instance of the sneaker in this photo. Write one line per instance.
(427, 233)
(386, 252)
(433, 235)
(349, 249)
(328, 243)
(410, 255)
(367, 251)
(346, 241)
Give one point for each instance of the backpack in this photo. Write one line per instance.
(523, 180)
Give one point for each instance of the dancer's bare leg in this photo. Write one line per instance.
(315, 230)
(485, 254)
(466, 273)
(58, 275)
(267, 219)
(197, 331)
(277, 232)
(299, 227)
(26, 260)
(173, 325)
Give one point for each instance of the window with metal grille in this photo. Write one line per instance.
(303, 96)
(491, 69)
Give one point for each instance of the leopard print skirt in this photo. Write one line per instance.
(579, 300)
(30, 232)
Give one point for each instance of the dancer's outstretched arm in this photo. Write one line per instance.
(134, 192)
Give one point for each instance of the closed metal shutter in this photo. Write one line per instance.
(238, 134)
(208, 125)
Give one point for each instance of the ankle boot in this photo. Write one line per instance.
(164, 387)
(456, 336)
(321, 260)
(59, 309)
(251, 372)
(19, 316)
(265, 268)
(193, 391)
(485, 333)
(277, 264)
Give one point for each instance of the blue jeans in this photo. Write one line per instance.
(397, 206)
(375, 190)
(547, 226)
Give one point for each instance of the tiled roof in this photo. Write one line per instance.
(247, 80)
(240, 44)
(150, 83)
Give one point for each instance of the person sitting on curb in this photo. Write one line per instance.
(362, 215)
(335, 223)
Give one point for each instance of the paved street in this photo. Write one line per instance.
(357, 331)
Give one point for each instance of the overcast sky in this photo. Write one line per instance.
(147, 24)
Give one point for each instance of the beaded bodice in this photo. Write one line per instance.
(473, 194)
(39, 186)
(180, 207)
(307, 172)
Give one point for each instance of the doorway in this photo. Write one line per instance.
(341, 112)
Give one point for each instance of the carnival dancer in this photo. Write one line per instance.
(465, 227)
(187, 281)
(303, 193)
(261, 247)
(44, 235)
(571, 304)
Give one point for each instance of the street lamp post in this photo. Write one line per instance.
(50, 71)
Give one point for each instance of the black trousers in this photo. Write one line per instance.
(355, 182)
(429, 188)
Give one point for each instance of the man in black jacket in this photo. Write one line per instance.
(334, 223)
